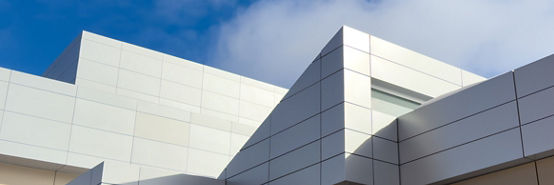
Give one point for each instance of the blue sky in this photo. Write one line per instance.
(34, 32)
(274, 40)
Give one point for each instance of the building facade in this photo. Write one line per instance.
(365, 111)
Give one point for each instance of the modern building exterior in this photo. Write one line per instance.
(365, 111)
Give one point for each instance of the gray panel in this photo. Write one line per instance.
(294, 160)
(90, 177)
(359, 169)
(181, 179)
(538, 137)
(248, 158)
(295, 136)
(253, 176)
(332, 119)
(536, 106)
(307, 176)
(332, 62)
(332, 170)
(260, 134)
(460, 132)
(332, 144)
(332, 90)
(478, 155)
(295, 109)
(385, 150)
(535, 76)
(452, 107)
(385, 173)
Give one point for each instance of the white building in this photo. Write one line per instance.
(365, 111)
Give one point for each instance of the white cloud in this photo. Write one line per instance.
(274, 40)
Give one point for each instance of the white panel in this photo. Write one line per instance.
(181, 93)
(237, 141)
(357, 88)
(40, 103)
(99, 52)
(409, 78)
(357, 118)
(100, 39)
(3, 94)
(256, 95)
(139, 82)
(181, 106)
(295, 109)
(84, 161)
(357, 143)
(34, 131)
(164, 111)
(221, 73)
(84, 83)
(221, 85)
(356, 60)
(162, 129)
(181, 73)
(100, 143)
(257, 83)
(295, 136)
(220, 103)
(32, 152)
(97, 72)
(254, 111)
(120, 173)
(142, 51)
(5, 74)
(243, 129)
(384, 125)
(210, 139)
(210, 121)
(43, 83)
(159, 154)
(106, 117)
(356, 38)
(415, 60)
(469, 78)
(206, 163)
(106, 98)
